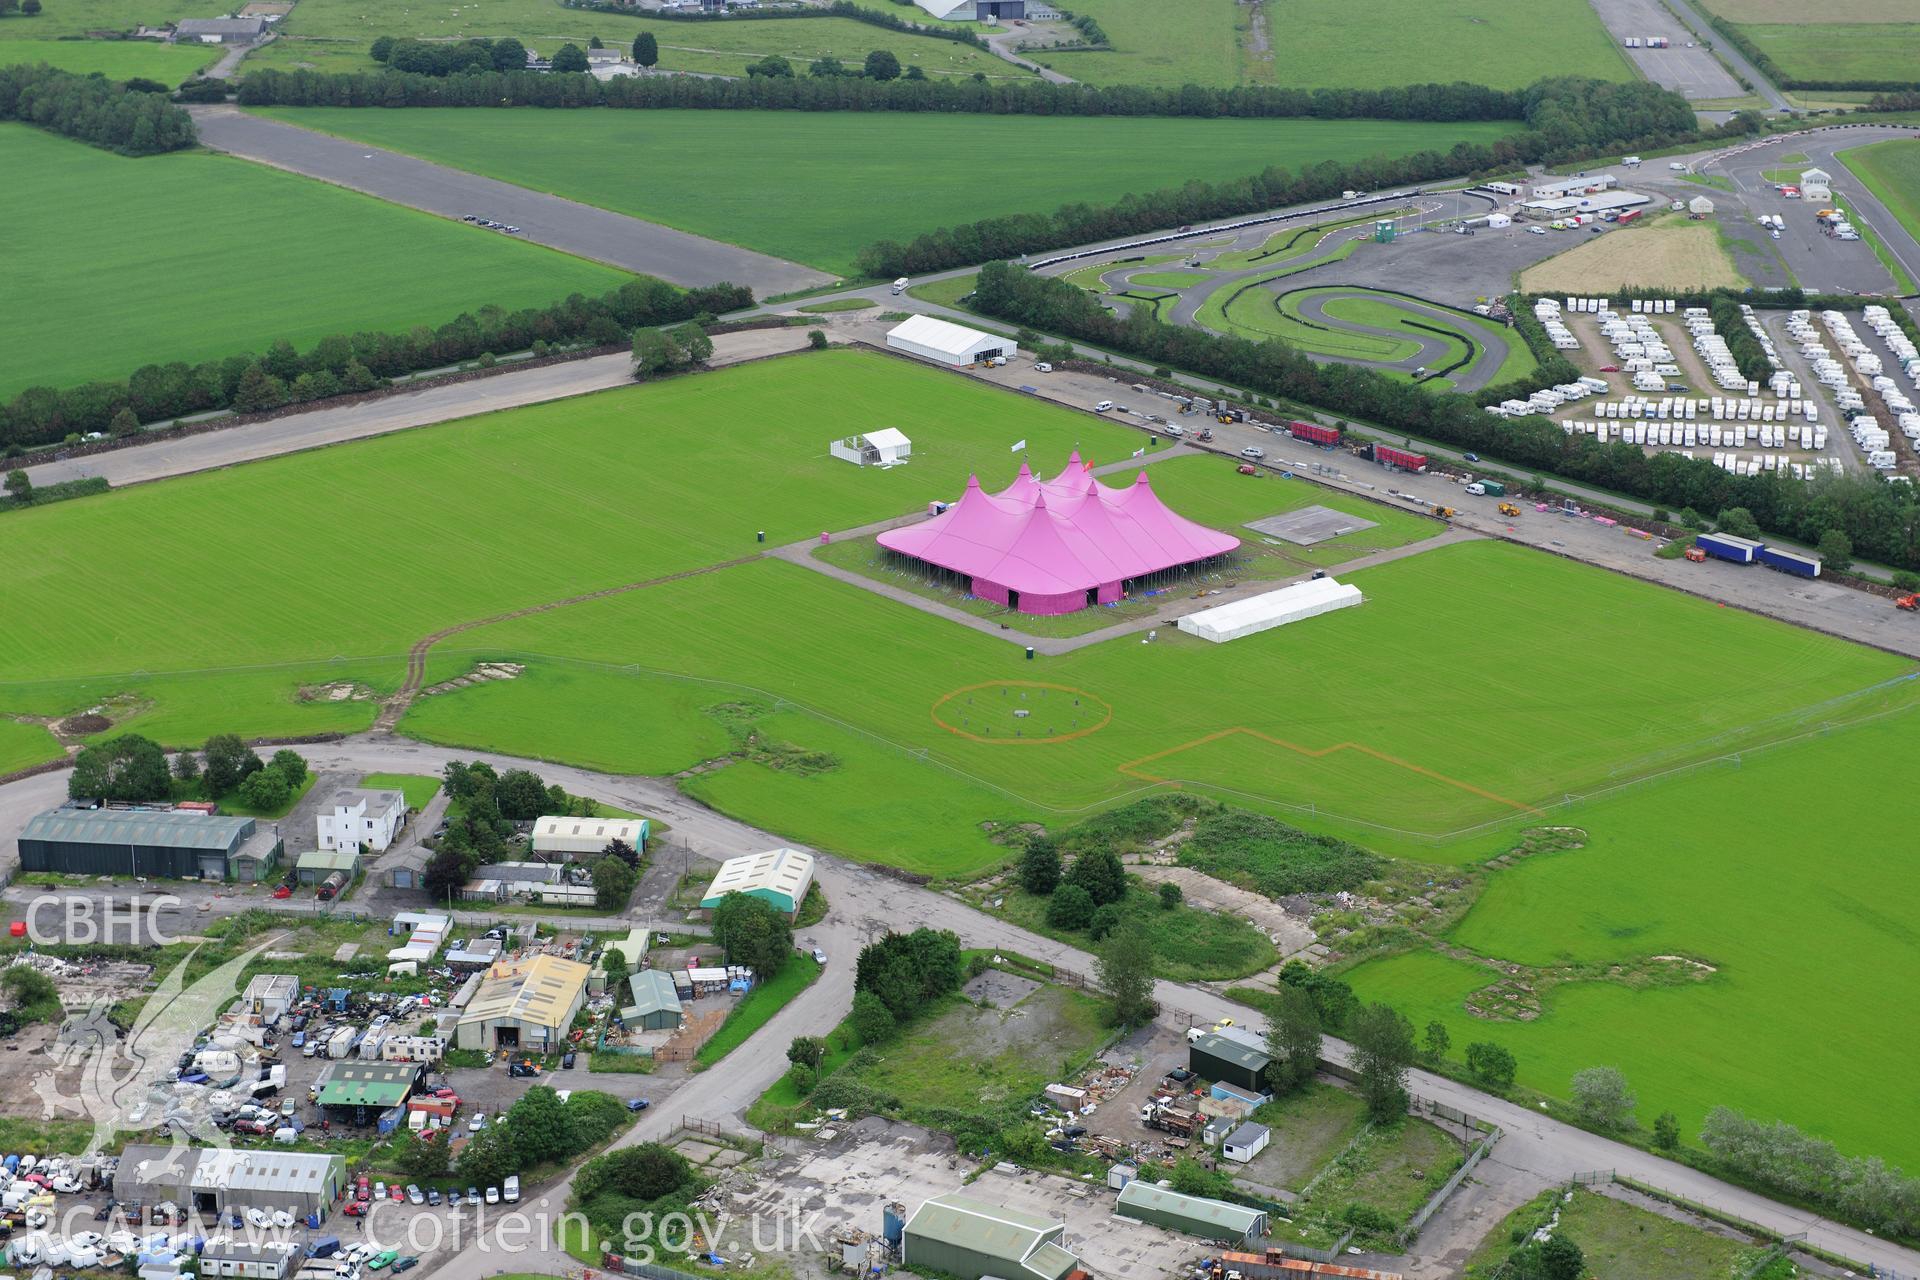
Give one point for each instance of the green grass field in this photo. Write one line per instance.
(77, 17)
(1623, 1241)
(1324, 43)
(334, 35)
(1479, 683)
(115, 59)
(350, 261)
(24, 745)
(876, 182)
(1891, 170)
(1840, 50)
(418, 788)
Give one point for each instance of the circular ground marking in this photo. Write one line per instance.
(1017, 711)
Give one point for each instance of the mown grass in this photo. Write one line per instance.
(114, 59)
(875, 182)
(77, 17)
(1322, 43)
(417, 788)
(757, 1007)
(352, 262)
(1891, 170)
(24, 745)
(1840, 50)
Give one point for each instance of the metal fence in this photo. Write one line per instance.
(1439, 1198)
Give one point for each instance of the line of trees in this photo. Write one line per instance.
(439, 58)
(1812, 1169)
(1448, 102)
(346, 363)
(838, 9)
(94, 110)
(1881, 520)
(1773, 71)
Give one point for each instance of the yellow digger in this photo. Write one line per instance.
(1508, 509)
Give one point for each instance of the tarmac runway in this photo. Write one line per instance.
(633, 244)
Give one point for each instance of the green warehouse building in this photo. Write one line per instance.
(971, 1239)
(779, 876)
(1220, 1220)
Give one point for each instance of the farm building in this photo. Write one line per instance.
(655, 1002)
(524, 1004)
(572, 838)
(177, 844)
(1270, 609)
(354, 817)
(1245, 1142)
(1195, 1215)
(269, 995)
(779, 876)
(938, 340)
(887, 447)
(970, 1239)
(1700, 206)
(1060, 545)
(314, 867)
(219, 30)
(357, 1092)
(1215, 1058)
(222, 1180)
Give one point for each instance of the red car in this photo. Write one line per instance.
(394, 1192)
(282, 891)
(355, 1209)
(1609, 368)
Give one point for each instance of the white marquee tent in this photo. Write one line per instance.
(1270, 609)
(886, 447)
(933, 339)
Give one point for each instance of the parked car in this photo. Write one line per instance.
(566, 1063)
(433, 1196)
(405, 1262)
(478, 1122)
(382, 1260)
(396, 1194)
(638, 1104)
(819, 956)
(1253, 453)
(1536, 231)
(281, 892)
(415, 1195)
(473, 1195)
(493, 1195)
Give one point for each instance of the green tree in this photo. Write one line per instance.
(873, 1022)
(882, 65)
(695, 346)
(487, 1158)
(1294, 1041)
(645, 1171)
(1125, 971)
(1491, 1064)
(1099, 872)
(381, 49)
(613, 963)
(1105, 920)
(522, 795)
(1070, 907)
(1666, 1131)
(19, 487)
(291, 763)
(646, 49)
(258, 391)
(618, 848)
(1382, 1040)
(265, 789)
(569, 58)
(653, 353)
(450, 867)
(817, 339)
(123, 424)
(186, 767)
(753, 933)
(808, 1051)
(593, 42)
(1433, 1048)
(1835, 550)
(1170, 895)
(1739, 522)
(915, 73)
(424, 1160)
(31, 8)
(229, 761)
(773, 67)
(128, 768)
(826, 68)
(803, 1078)
(613, 882)
(1040, 865)
(1602, 1099)
(536, 1127)
(31, 994)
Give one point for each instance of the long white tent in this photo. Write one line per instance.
(935, 339)
(1270, 609)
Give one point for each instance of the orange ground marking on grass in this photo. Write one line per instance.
(1042, 740)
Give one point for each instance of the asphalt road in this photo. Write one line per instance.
(862, 904)
(1692, 73)
(1433, 353)
(588, 232)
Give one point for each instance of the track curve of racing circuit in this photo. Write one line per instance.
(1483, 362)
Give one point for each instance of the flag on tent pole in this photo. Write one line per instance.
(1018, 445)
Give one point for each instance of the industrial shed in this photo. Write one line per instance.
(971, 1239)
(316, 866)
(778, 876)
(177, 844)
(357, 1092)
(572, 838)
(1214, 1057)
(945, 343)
(655, 1002)
(1195, 1215)
(524, 1004)
(218, 1180)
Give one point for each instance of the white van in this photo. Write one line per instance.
(512, 1186)
(1103, 407)
(900, 286)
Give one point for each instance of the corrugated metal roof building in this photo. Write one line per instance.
(363, 1087)
(524, 1004)
(1216, 1058)
(316, 865)
(778, 876)
(1195, 1215)
(580, 837)
(177, 844)
(215, 1180)
(656, 1002)
(970, 1239)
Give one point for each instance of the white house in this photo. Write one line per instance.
(1246, 1142)
(887, 447)
(355, 817)
(953, 344)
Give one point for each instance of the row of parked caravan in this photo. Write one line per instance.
(1640, 349)
(1713, 352)
(1906, 361)
(1548, 399)
(1547, 312)
(1872, 438)
(1662, 430)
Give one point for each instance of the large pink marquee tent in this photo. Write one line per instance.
(1054, 546)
